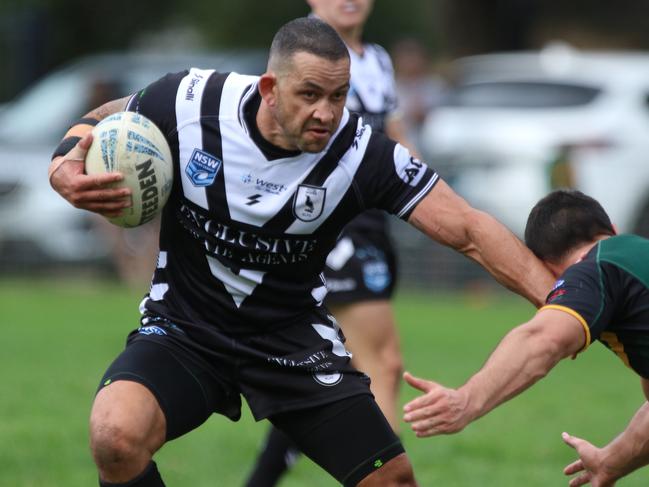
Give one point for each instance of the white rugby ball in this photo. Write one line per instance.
(130, 143)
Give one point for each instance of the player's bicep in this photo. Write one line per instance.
(395, 181)
(562, 328)
(582, 288)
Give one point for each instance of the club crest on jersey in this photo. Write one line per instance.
(309, 202)
(328, 379)
(202, 168)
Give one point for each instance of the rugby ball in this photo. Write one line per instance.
(130, 143)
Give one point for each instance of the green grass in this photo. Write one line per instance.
(58, 337)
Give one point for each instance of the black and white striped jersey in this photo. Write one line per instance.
(372, 92)
(372, 95)
(244, 236)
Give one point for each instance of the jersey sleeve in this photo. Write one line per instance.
(393, 180)
(582, 292)
(157, 101)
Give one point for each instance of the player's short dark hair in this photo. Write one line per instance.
(307, 34)
(563, 220)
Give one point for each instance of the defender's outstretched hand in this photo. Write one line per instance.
(92, 193)
(439, 411)
(590, 463)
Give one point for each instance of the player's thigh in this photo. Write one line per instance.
(164, 378)
(349, 438)
(370, 330)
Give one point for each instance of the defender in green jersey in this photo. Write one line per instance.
(602, 293)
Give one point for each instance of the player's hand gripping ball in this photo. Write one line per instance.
(132, 144)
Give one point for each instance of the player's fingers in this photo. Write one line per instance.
(418, 403)
(109, 195)
(582, 479)
(574, 467)
(100, 181)
(85, 142)
(417, 383)
(111, 214)
(430, 410)
(79, 151)
(574, 442)
(431, 427)
(107, 206)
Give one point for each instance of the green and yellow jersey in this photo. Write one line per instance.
(608, 292)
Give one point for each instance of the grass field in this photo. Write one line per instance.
(57, 338)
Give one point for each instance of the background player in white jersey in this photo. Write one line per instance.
(235, 306)
(361, 271)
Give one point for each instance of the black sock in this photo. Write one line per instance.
(149, 478)
(279, 454)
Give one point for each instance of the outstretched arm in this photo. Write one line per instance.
(68, 178)
(602, 467)
(525, 355)
(450, 220)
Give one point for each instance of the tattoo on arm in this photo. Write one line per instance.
(108, 109)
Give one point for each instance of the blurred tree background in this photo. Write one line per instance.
(38, 35)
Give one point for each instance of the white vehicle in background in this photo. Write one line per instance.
(36, 224)
(518, 125)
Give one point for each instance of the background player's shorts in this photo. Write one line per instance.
(362, 267)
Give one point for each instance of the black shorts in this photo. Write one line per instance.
(299, 376)
(362, 267)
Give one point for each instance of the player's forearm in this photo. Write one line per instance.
(521, 359)
(98, 114)
(501, 253)
(78, 130)
(630, 450)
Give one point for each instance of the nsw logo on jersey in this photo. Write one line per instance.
(202, 168)
(309, 202)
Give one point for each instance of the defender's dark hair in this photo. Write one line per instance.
(307, 34)
(563, 220)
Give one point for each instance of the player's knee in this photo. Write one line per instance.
(112, 445)
(392, 363)
(117, 441)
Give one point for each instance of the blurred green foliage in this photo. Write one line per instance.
(38, 35)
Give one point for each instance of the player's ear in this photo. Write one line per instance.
(267, 88)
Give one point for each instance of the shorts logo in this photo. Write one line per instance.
(309, 202)
(328, 378)
(151, 330)
(202, 168)
(376, 275)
